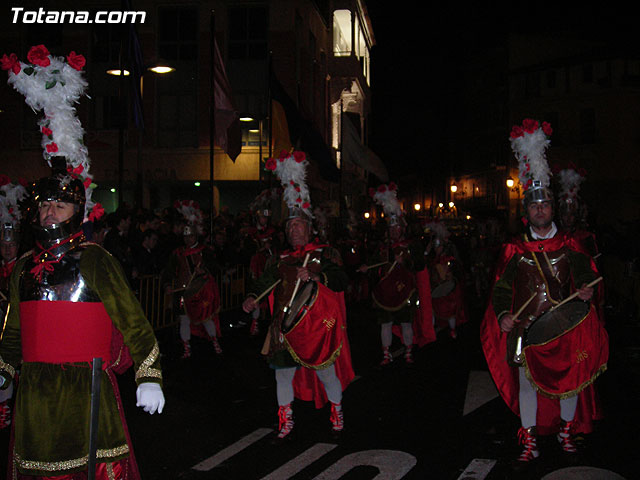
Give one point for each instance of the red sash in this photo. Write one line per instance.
(64, 332)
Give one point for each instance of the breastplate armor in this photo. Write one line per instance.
(549, 278)
(63, 283)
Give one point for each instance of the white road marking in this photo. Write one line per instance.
(480, 390)
(231, 450)
(302, 461)
(478, 469)
(392, 464)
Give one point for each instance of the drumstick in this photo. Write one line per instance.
(524, 305)
(376, 265)
(259, 297)
(295, 289)
(575, 294)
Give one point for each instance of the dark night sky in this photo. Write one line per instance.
(408, 100)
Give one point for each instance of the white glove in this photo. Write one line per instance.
(149, 396)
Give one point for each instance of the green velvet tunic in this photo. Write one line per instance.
(53, 400)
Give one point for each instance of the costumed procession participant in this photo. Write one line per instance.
(353, 251)
(12, 197)
(263, 238)
(402, 294)
(308, 327)
(446, 281)
(69, 304)
(572, 212)
(189, 277)
(543, 350)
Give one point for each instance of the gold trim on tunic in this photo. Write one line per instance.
(66, 465)
(145, 370)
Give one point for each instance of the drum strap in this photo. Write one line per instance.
(543, 276)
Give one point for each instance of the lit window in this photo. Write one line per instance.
(342, 33)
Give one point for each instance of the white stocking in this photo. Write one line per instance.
(385, 334)
(210, 327)
(407, 334)
(528, 398)
(331, 382)
(185, 328)
(284, 385)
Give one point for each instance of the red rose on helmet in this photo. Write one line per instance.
(299, 156)
(52, 147)
(39, 55)
(517, 131)
(76, 61)
(382, 188)
(530, 125)
(96, 212)
(10, 63)
(4, 180)
(393, 186)
(546, 128)
(270, 164)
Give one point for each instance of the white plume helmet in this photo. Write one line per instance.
(291, 170)
(387, 197)
(529, 143)
(11, 197)
(191, 212)
(53, 85)
(569, 180)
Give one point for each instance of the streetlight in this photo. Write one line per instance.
(366, 215)
(416, 207)
(510, 182)
(454, 188)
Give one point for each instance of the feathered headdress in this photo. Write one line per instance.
(387, 197)
(291, 170)
(191, 212)
(12, 195)
(264, 199)
(529, 143)
(54, 85)
(570, 179)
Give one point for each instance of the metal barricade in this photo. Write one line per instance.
(158, 306)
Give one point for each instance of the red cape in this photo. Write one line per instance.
(495, 349)
(423, 331)
(307, 386)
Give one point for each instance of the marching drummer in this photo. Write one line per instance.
(189, 277)
(402, 295)
(306, 343)
(446, 285)
(537, 275)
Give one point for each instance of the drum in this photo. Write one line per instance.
(443, 289)
(302, 302)
(195, 285)
(395, 289)
(313, 327)
(556, 322)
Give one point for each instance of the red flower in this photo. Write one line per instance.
(284, 154)
(76, 61)
(46, 131)
(23, 182)
(270, 164)
(372, 191)
(86, 183)
(546, 128)
(4, 180)
(96, 212)
(517, 131)
(39, 55)
(306, 205)
(297, 188)
(10, 62)
(382, 188)
(299, 156)
(52, 147)
(530, 125)
(298, 200)
(393, 186)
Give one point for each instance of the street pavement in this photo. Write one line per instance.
(439, 418)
